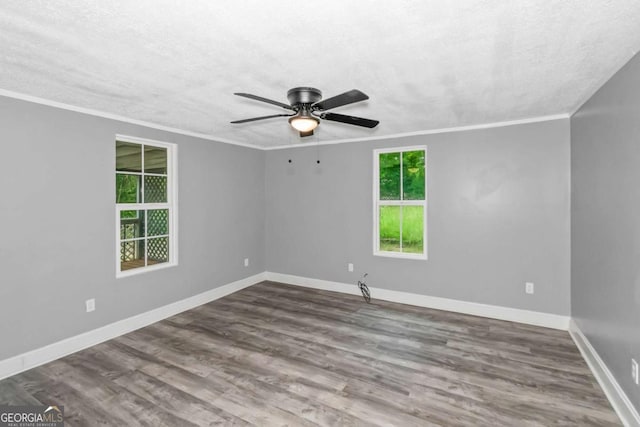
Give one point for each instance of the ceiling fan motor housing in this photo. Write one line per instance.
(304, 95)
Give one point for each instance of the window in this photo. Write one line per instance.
(400, 204)
(145, 205)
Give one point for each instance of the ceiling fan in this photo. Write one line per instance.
(308, 108)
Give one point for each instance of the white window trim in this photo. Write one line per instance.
(172, 204)
(377, 203)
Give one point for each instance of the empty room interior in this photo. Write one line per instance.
(337, 213)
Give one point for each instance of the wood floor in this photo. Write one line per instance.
(274, 355)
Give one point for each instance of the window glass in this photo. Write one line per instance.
(155, 189)
(155, 160)
(390, 176)
(157, 222)
(128, 157)
(412, 229)
(132, 254)
(127, 188)
(390, 228)
(413, 175)
(132, 224)
(158, 250)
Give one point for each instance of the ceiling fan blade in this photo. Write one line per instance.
(268, 101)
(350, 120)
(339, 100)
(303, 134)
(262, 118)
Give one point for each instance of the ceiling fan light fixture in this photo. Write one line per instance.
(303, 123)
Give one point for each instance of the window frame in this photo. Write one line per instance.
(377, 203)
(171, 205)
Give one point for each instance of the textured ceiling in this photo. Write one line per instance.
(425, 65)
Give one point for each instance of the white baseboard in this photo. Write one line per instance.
(31, 359)
(618, 398)
(484, 310)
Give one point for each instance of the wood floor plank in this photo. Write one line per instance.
(13, 393)
(275, 354)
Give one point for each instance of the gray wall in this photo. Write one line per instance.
(57, 224)
(605, 215)
(498, 216)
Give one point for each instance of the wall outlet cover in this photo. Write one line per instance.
(90, 304)
(246, 262)
(529, 287)
(350, 267)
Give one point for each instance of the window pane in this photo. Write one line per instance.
(127, 188)
(157, 222)
(155, 189)
(131, 224)
(158, 250)
(413, 175)
(412, 229)
(131, 254)
(155, 159)
(389, 176)
(128, 157)
(390, 228)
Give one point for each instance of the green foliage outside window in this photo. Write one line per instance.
(413, 175)
(127, 191)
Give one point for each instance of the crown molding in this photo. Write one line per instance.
(110, 116)
(97, 113)
(430, 132)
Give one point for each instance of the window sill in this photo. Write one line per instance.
(141, 270)
(400, 255)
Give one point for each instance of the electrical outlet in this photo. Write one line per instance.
(528, 287)
(246, 262)
(350, 267)
(634, 371)
(91, 305)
